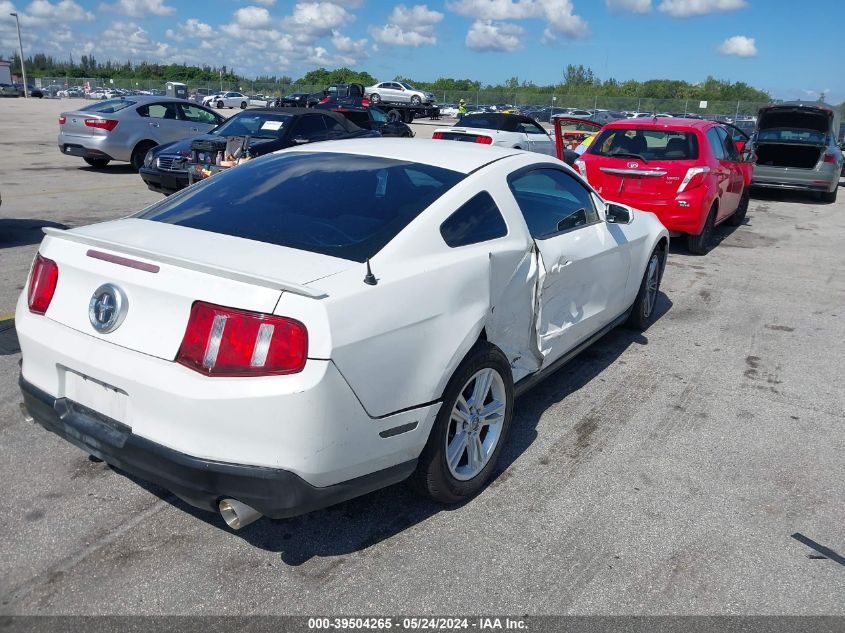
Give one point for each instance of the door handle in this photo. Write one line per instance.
(195, 129)
(153, 124)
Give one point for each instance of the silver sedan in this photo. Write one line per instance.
(126, 129)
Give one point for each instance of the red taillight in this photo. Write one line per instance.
(101, 124)
(365, 103)
(222, 341)
(830, 158)
(62, 120)
(484, 140)
(42, 284)
(695, 178)
(437, 135)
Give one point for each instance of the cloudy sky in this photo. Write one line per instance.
(791, 49)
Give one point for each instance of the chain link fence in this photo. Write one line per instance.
(60, 86)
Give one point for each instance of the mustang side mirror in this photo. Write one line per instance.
(616, 214)
(299, 140)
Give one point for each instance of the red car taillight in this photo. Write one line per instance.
(42, 284)
(694, 178)
(437, 135)
(101, 124)
(830, 158)
(365, 103)
(222, 341)
(62, 120)
(484, 140)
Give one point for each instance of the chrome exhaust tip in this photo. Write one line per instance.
(236, 514)
(25, 413)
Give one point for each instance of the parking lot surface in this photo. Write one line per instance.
(683, 470)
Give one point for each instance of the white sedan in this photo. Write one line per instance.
(260, 344)
(227, 100)
(502, 130)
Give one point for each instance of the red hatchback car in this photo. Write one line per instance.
(688, 172)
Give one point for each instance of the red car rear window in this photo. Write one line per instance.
(647, 144)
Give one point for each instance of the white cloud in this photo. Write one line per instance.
(311, 20)
(191, 28)
(266, 3)
(559, 15)
(139, 8)
(687, 8)
(740, 46)
(42, 11)
(633, 6)
(252, 17)
(408, 26)
(123, 39)
(347, 45)
(486, 35)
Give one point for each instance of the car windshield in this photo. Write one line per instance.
(378, 115)
(257, 125)
(343, 205)
(108, 107)
(645, 143)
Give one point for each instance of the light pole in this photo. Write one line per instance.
(20, 52)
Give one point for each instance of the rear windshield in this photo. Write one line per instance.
(647, 144)
(342, 205)
(108, 107)
(810, 137)
(487, 122)
(261, 125)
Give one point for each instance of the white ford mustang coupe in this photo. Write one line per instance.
(328, 320)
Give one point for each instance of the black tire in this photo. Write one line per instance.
(415, 100)
(433, 477)
(409, 116)
(243, 105)
(830, 196)
(700, 244)
(642, 312)
(138, 154)
(394, 115)
(219, 105)
(739, 215)
(99, 163)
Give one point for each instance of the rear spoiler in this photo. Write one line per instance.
(219, 271)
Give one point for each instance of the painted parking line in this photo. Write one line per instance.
(7, 317)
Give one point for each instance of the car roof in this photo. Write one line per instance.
(461, 157)
(661, 123)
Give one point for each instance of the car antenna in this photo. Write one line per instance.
(370, 278)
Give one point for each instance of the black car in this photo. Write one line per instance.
(34, 92)
(372, 118)
(265, 130)
(298, 100)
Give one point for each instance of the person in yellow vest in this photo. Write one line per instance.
(462, 109)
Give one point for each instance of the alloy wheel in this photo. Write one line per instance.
(475, 426)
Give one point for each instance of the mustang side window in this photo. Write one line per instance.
(478, 220)
(552, 201)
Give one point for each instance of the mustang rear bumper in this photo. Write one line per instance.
(275, 493)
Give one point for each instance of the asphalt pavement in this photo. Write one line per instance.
(696, 468)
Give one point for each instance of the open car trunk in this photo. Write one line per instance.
(794, 134)
(787, 155)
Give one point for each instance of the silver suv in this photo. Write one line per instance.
(126, 129)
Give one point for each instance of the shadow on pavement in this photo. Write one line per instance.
(24, 232)
(8, 338)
